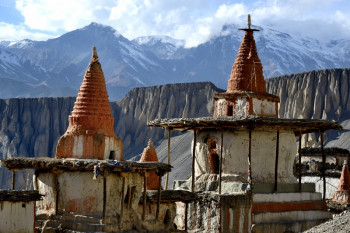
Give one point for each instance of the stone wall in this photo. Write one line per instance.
(215, 213)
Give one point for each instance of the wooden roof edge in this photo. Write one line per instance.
(20, 195)
(303, 125)
(20, 163)
(249, 94)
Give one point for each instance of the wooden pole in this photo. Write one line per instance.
(167, 174)
(144, 195)
(299, 168)
(57, 193)
(159, 197)
(323, 167)
(186, 216)
(13, 180)
(221, 149)
(194, 160)
(276, 161)
(250, 160)
(122, 200)
(104, 197)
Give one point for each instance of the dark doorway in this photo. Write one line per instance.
(213, 157)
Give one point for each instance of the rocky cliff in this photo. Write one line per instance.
(31, 127)
(321, 94)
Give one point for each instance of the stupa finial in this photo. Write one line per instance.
(249, 28)
(249, 21)
(94, 53)
(150, 143)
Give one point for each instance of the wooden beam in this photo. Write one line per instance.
(186, 215)
(13, 180)
(159, 197)
(104, 198)
(323, 167)
(167, 174)
(299, 168)
(250, 160)
(194, 160)
(122, 200)
(220, 171)
(57, 192)
(144, 195)
(276, 160)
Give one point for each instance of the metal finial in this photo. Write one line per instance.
(345, 162)
(249, 21)
(150, 143)
(94, 53)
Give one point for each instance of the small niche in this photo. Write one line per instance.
(112, 155)
(229, 110)
(213, 157)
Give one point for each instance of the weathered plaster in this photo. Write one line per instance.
(46, 185)
(79, 193)
(235, 155)
(263, 107)
(17, 217)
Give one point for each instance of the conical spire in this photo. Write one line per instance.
(90, 131)
(247, 71)
(91, 109)
(149, 154)
(343, 192)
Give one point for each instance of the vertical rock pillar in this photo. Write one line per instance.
(90, 134)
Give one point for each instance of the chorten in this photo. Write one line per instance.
(149, 154)
(246, 90)
(343, 192)
(90, 134)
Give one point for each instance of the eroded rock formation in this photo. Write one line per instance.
(31, 127)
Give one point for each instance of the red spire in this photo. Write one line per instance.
(247, 71)
(149, 154)
(91, 109)
(343, 192)
(90, 133)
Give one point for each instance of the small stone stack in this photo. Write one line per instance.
(149, 154)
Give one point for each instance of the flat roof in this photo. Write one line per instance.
(249, 122)
(20, 195)
(45, 163)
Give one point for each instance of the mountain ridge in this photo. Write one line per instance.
(159, 60)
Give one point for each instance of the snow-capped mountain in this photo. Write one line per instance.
(162, 46)
(154, 60)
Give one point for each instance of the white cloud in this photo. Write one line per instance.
(18, 32)
(196, 21)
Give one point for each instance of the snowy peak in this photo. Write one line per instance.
(153, 40)
(162, 46)
(8, 58)
(101, 28)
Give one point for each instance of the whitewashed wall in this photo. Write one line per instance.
(263, 154)
(16, 217)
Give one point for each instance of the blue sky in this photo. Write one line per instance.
(195, 21)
